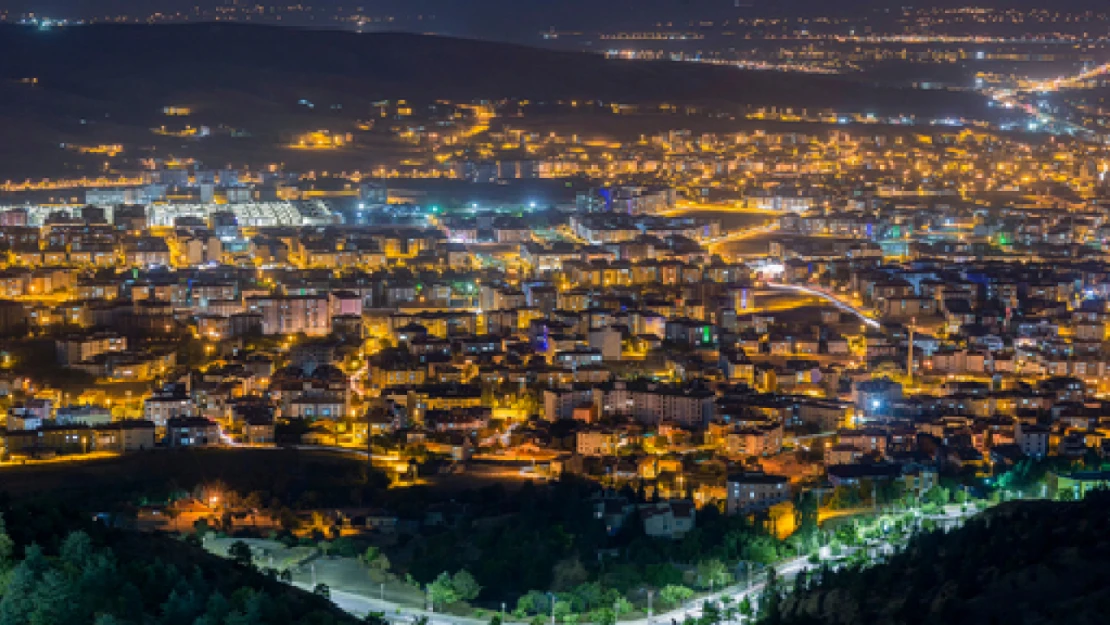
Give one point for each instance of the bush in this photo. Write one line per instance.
(240, 553)
(674, 595)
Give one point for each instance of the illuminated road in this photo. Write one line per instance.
(360, 605)
(832, 299)
(739, 235)
(1068, 82)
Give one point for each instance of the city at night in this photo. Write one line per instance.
(554, 312)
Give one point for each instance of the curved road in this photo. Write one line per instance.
(361, 605)
(832, 299)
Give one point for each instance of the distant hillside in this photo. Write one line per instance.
(110, 82)
(143, 62)
(1028, 563)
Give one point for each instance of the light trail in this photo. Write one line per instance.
(832, 299)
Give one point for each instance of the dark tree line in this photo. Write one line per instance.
(1022, 562)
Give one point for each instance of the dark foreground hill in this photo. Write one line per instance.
(109, 83)
(1022, 563)
(59, 568)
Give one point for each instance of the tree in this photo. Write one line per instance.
(762, 549)
(375, 618)
(770, 604)
(674, 595)
(465, 586)
(442, 591)
(746, 606)
(567, 574)
(56, 600)
(77, 550)
(18, 601)
(240, 553)
(710, 613)
(322, 590)
(729, 609)
(594, 595)
(622, 606)
(713, 573)
(604, 616)
(7, 545)
(532, 602)
(375, 559)
(937, 495)
(845, 497)
(217, 607)
(562, 609)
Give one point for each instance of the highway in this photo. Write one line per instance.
(832, 299)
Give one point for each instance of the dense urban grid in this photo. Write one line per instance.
(791, 357)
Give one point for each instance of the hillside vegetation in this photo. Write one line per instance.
(57, 568)
(1025, 562)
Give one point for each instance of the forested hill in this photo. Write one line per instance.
(59, 568)
(1021, 563)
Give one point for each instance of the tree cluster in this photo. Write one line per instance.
(93, 575)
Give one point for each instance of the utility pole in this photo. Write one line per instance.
(651, 593)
